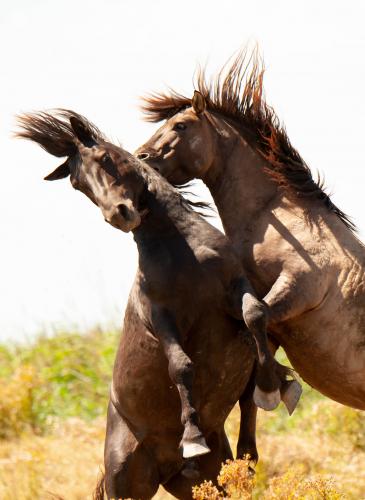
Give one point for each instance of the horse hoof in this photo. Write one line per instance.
(266, 400)
(195, 449)
(290, 394)
(190, 470)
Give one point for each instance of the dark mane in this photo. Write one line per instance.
(180, 193)
(203, 208)
(236, 93)
(53, 132)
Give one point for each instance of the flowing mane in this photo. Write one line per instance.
(236, 93)
(53, 132)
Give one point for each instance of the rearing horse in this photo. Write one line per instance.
(184, 358)
(299, 249)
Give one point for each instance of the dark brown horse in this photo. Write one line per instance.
(298, 249)
(184, 358)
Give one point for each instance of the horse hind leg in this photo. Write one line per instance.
(290, 392)
(246, 445)
(130, 471)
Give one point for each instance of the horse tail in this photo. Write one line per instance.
(99, 492)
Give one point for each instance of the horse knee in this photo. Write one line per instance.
(180, 368)
(255, 314)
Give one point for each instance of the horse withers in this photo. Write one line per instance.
(185, 356)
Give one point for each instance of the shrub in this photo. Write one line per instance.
(17, 409)
(295, 485)
(63, 376)
(235, 479)
(237, 483)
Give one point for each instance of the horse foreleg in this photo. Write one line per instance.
(181, 372)
(267, 391)
(290, 297)
(271, 379)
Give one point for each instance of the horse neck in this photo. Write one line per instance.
(242, 191)
(166, 222)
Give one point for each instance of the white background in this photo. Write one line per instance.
(61, 266)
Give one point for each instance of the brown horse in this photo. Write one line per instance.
(299, 250)
(184, 318)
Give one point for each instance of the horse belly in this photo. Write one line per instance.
(327, 349)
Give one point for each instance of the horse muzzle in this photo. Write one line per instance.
(123, 217)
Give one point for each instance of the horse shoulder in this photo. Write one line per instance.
(291, 240)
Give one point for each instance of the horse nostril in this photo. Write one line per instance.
(143, 156)
(125, 212)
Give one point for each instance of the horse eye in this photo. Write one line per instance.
(105, 158)
(180, 126)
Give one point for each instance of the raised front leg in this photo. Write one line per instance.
(271, 384)
(181, 372)
(267, 391)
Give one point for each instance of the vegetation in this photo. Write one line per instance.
(53, 396)
(237, 483)
(63, 376)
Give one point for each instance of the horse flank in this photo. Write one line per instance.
(236, 93)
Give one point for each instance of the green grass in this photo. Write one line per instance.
(62, 376)
(68, 375)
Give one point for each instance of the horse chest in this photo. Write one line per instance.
(182, 282)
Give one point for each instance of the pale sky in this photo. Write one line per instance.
(61, 265)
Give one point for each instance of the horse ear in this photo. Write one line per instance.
(198, 102)
(60, 173)
(81, 131)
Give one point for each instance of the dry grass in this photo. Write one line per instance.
(296, 464)
(53, 392)
(317, 444)
(237, 484)
(65, 463)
